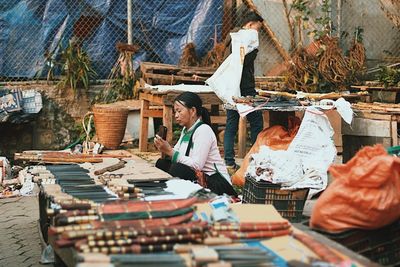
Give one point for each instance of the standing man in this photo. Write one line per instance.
(251, 21)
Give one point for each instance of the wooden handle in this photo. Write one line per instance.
(213, 241)
(111, 168)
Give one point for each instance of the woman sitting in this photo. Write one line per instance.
(195, 156)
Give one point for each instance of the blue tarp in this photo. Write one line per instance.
(31, 29)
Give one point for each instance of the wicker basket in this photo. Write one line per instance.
(110, 124)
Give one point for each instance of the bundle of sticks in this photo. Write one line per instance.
(82, 217)
(56, 157)
(62, 157)
(140, 240)
(151, 187)
(131, 238)
(127, 192)
(73, 180)
(236, 231)
(378, 107)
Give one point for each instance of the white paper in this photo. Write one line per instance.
(179, 188)
(195, 88)
(343, 107)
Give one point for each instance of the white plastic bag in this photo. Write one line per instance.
(225, 82)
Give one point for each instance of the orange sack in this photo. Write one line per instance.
(275, 137)
(365, 193)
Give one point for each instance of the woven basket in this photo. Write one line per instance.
(110, 124)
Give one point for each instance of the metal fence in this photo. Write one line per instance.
(33, 33)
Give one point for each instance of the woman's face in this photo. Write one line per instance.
(184, 116)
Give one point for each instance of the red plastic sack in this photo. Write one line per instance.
(365, 193)
(275, 137)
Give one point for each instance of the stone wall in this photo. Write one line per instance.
(55, 127)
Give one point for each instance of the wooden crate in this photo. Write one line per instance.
(165, 74)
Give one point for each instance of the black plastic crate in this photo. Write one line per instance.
(381, 245)
(288, 203)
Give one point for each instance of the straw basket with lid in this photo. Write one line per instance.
(110, 124)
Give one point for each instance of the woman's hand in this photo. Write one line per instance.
(163, 146)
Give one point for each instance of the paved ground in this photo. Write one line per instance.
(19, 238)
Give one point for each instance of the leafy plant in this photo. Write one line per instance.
(76, 67)
(389, 76)
(323, 22)
(73, 63)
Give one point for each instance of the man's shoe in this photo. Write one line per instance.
(232, 169)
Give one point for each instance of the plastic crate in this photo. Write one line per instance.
(288, 203)
(381, 245)
(394, 150)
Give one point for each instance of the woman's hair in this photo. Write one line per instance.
(190, 100)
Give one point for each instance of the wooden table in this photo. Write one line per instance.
(156, 104)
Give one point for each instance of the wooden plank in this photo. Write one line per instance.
(151, 66)
(375, 88)
(373, 116)
(242, 137)
(336, 122)
(207, 98)
(153, 98)
(170, 79)
(265, 118)
(218, 120)
(146, 66)
(144, 126)
(367, 127)
(395, 136)
(153, 113)
(167, 121)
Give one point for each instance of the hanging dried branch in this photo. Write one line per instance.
(122, 78)
(333, 66)
(327, 71)
(357, 55)
(302, 72)
(189, 56)
(214, 57)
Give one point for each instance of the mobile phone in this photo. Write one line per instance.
(162, 132)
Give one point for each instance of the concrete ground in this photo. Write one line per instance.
(19, 236)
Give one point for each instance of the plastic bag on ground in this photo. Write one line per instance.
(365, 193)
